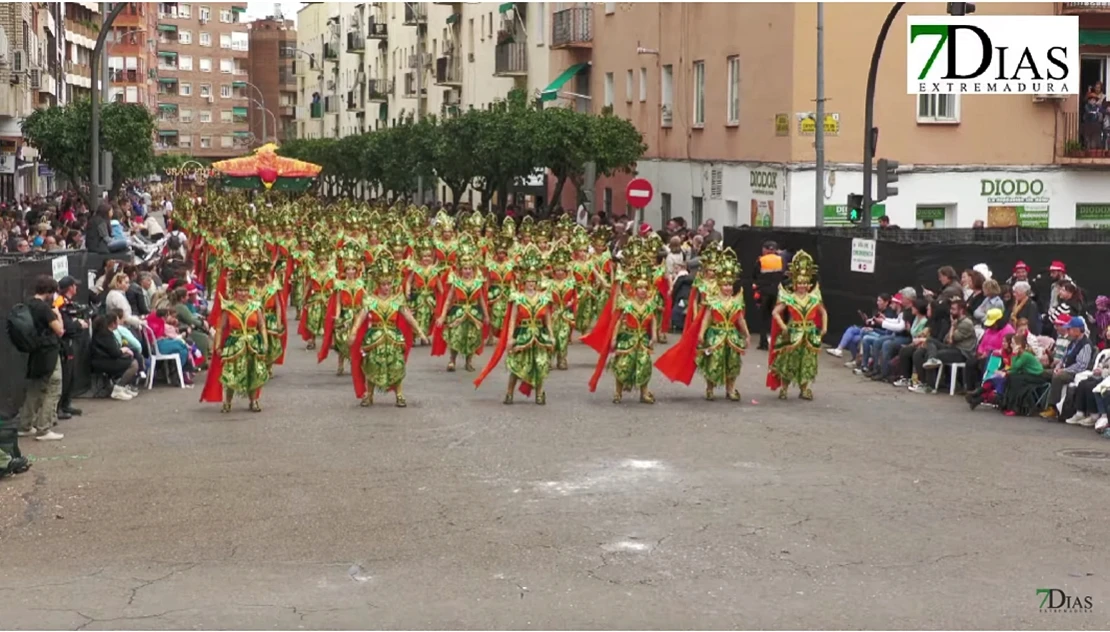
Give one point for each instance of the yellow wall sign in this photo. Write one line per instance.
(807, 124)
(782, 124)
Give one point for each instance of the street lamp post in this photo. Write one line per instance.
(262, 98)
(266, 110)
(94, 123)
(870, 134)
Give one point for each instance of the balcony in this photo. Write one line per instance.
(377, 30)
(410, 86)
(511, 60)
(572, 28)
(316, 110)
(126, 76)
(1081, 143)
(448, 71)
(1075, 8)
(356, 43)
(378, 90)
(331, 105)
(355, 102)
(415, 13)
(331, 51)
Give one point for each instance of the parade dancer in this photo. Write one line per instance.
(585, 281)
(318, 285)
(796, 342)
(463, 322)
(239, 364)
(526, 334)
(424, 284)
(382, 338)
(564, 293)
(346, 298)
(271, 293)
(499, 269)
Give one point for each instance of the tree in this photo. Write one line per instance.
(454, 159)
(61, 142)
(506, 150)
(564, 145)
(127, 130)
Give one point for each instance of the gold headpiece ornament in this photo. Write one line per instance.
(560, 257)
(444, 222)
(467, 252)
(243, 276)
(384, 269)
(727, 265)
(531, 266)
(349, 254)
(425, 246)
(507, 237)
(527, 227)
(579, 239)
(803, 269)
(475, 222)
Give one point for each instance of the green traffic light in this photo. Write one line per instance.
(854, 215)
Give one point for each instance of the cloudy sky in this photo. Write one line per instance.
(259, 9)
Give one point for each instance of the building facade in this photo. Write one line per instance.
(203, 94)
(132, 46)
(270, 67)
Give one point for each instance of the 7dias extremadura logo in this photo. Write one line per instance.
(1022, 54)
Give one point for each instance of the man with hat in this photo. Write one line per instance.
(1077, 358)
(1057, 272)
(74, 328)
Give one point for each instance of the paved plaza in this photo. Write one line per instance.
(869, 507)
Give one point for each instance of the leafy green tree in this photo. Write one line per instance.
(454, 159)
(506, 150)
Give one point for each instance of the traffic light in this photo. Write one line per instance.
(888, 175)
(961, 8)
(855, 208)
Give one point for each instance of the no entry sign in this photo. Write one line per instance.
(638, 193)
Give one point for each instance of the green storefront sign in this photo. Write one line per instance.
(930, 214)
(837, 214)
(1092, 215)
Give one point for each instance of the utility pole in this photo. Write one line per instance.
(819, 131)
(870, 132)
(105, 78)
(419, 99)
(94, 118)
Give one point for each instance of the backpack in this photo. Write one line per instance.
(21, 329)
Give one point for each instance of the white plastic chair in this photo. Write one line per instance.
(156, 357)
(955, 368)
(1082, 375)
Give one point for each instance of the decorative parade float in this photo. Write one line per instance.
(264, 169)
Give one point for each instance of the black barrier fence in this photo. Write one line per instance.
(16, 281)
(912, 258)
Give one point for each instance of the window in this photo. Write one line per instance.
(699, 94)
(469, 35)
(225, 40)
(938, 108)
(541, 22)
(733, 90)
(695, 211)
(608, 90)
(205, 116)
(205, 90)
(643, 85)
(225, 91)
(482, 32)
(733, 210)
(205, 38)
(225, 16)
(610, 8)
(185, 37)
(227, 141)
(185, 62)
(227, 66)
(240, 41)
(608, 202)
(667, 108)
(184, 11)
(491, 24)
(225, 117)
(185, 140)
(206, 64)
(665, 207)
(185, 89)
(132, 94)
(205, 14)
(206, 142)
(628, 85)
(186, 116)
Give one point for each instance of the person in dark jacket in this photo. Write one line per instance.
(74, 328)
(1025, 307)
(99, 231)
(767, 277)
(107, 356)
(136, 298)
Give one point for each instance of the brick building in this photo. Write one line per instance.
(273, 43)
(132, 55)
(203, 94)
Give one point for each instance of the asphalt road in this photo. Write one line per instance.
(866, 508)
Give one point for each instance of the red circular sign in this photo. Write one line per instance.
(638, 193)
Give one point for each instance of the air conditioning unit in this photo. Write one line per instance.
(36, 79)
(209, 98)
(19, 61)
(204, 20)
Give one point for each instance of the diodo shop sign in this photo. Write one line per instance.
(1011, 188)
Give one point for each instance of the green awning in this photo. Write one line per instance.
(167, 106)
(167, 132)
(505, 6)
(239, 111)
(239, 9)
(168, 54)
(241, 133)
(551, 92)
(1090, 37)
(167, 79)
(454, 17)
(238, 84)
(169, 28)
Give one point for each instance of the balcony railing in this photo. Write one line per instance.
(1083, 141)
(126, 76)
(511, 59)
(415, 13)
(316, 110)
(378, 89)
(331, 104)
(376, 30)
(572, 28)
(356, 43)
(354, 101)
(331, 51)
(448, 71)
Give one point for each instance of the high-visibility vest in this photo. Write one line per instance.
(770, 263)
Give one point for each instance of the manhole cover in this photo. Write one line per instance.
(1096, 455)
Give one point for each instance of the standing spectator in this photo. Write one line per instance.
(712, 234)
(767, 277)
(1077, 358)
(675, 257)
(39, 413)
(74, 328)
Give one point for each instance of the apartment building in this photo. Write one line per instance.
(204, 96)
(270, 66)
(132, 45)
(81, 25)
(724, 95)
(18, 47)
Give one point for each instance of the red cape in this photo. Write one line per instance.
(678, 363)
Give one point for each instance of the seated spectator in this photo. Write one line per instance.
(108, 357)
(850, 340)
(1077, 358)
(919, 336)
(972, 282)
(134, 292)
(890, 347)
(117, 299)
(994, 334)
(1086, 408)
(1025, 308)
(871, 343)
(196, 330)
(169, 341)
(958, 345)
(992, 300)
(1024, 381)
(1102, 321)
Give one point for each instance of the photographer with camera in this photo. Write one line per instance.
(74, 326)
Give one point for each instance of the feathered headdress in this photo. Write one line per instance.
(803, 269)
(531, 266)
